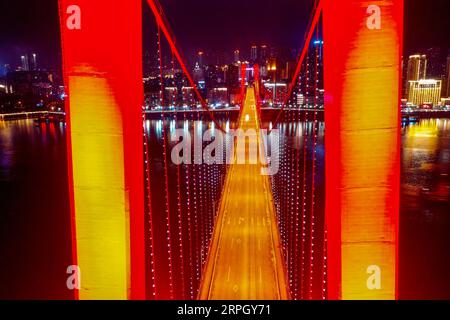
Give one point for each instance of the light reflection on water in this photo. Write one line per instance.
(425, 217)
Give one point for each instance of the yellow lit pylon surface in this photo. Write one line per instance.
(245, 259)
(362, 57)
(105, 146)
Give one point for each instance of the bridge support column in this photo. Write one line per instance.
(362, 52)
(101, 43)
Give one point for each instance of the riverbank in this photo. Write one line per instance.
(32, 115)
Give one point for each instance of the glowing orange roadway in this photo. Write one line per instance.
(245, 260)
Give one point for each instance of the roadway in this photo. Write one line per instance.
(245, 260)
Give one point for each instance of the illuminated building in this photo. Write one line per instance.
(445, 102)
(424, 91)
(218, 96)
(417, 69)
(39, 83)
(254, 54)
(212, 76)
(320, 99)
(300, 99)
(263, 55)
(188, 96)
(275, 93)
(198, 73)
(25, 64)
(171, 96)
(272, 69)
(152, 99)
(200, 58)
(288, 70)
(202, 85)
(34, 61)
(235, 95)
(152, 92)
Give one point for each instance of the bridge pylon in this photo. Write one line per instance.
(362, 52)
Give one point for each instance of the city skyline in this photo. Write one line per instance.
(32, 26)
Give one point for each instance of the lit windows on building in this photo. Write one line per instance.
(275, 93)
(24, 63)
(300, 99)
(198, 73)
(425, 91)
(417, 69)
(171, 95)
(188, 96)
(445, 102)
(254, 53)
(218, 96)
(200, 55)
(263, 54)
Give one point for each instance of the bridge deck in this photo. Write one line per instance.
(245, 260)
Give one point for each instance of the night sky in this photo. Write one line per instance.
(32, 25)
(236, 24)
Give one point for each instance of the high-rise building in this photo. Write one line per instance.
(288, 70)
(38, 83)
(416, 70)
(272, 69)
(425, 91)
(34, 61)
(237, 56)
(188, 96)
(300, 99)
(171, 96)
(24, 63)
(263, 55)
(201, 55)
(211, 76)
(254, 54)
(198, 73)
(417, 67)
(275, 93)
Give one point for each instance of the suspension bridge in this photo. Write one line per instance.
(245, 260)
(144, 228)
